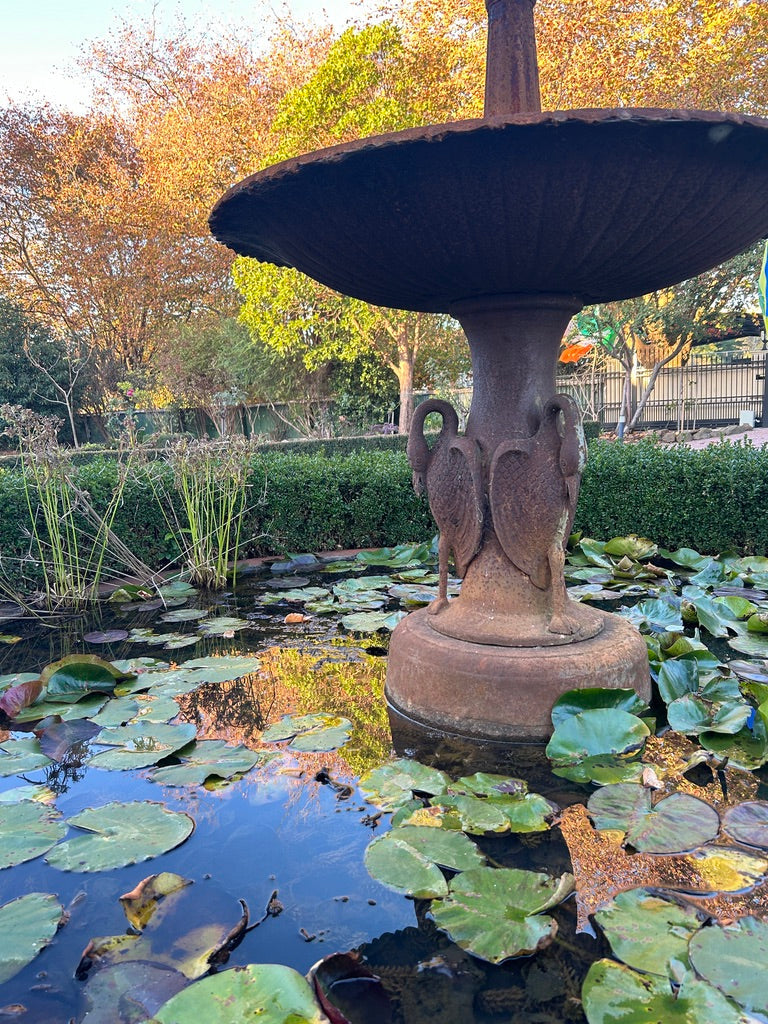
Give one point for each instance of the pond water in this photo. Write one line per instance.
(287, 838)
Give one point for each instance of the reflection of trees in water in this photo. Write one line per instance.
(60, 774)
(236, 711)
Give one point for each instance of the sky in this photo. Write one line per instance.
(40, 40)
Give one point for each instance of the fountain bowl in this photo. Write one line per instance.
(600, 204)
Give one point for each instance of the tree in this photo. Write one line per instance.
(654, 330)
(40, 371)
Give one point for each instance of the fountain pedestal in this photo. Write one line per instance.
(506, 694)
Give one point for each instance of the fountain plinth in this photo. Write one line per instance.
(511, 223)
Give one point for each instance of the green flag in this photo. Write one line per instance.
(762, 287)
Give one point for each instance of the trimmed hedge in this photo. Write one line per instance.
(710, 499)
(713, 499)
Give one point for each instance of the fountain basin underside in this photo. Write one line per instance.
(603, 204)
(504, 693)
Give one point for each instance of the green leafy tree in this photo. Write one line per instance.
(40, 371)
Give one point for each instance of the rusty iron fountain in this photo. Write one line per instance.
(511, 224)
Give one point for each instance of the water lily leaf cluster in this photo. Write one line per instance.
(316, 732)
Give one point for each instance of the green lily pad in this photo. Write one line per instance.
(656, 615)
(733, 958)
(686, 557)
(27, 830)
(140, 744)
(526, 812)
(408, 859)
(714, 618)
(594, 552)
(755, 645)
(295, 595)
(393, 785)
(677, 677)
(184, 615)
(310, 733)
(223, 625)
(222, 669)
(372, 622)
(86, 707)
(497, 913)
(119, 834)
(210, 758)
(746, 749)
(748, 823)
(676, 824)
(631, 547)
(41, 794)
(735, 607)
(598, 745)
(646, 932)
(270, 992)
(693, 714)
(758, 623)
(588, 699)
(751, 671)
(615, 994)
(78, 675)
(400, 557)
(27, 925)
(20, 756)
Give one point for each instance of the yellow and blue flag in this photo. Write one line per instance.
(762, 287)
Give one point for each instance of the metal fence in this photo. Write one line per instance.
(707, 391)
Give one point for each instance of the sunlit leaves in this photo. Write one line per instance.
(314, 732)
(408, 859)
(645, 931)
(732, 958)
(140, 744)
(394, 784)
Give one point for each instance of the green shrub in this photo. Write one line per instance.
(591, 429)
(711, 499)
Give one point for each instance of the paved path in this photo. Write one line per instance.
(757, 437)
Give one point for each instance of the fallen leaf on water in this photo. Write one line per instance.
(294, 618)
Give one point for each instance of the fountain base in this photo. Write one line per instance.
(504, 693)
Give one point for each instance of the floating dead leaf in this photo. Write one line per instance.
(294, 618)
(602, 868)
(181, 930)
(140, 903)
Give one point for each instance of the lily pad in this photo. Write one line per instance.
(615, 994)
(590, 698)
(85, 707)
(400, 557)
(105, 636)
(392, 785)
(678, 676)
(209, 758)
(677, 824)
(524, 812)
(222, 625)
(405, 858)
(308, 733)
(20, 756)
(748, 823)
(140, 744)
(656, 615)
(372, 622)
(646, 932)
(497, 913)
(78, 675)
(184, 615)
(631, 546)
(129, 992)
(693, 714)
(755, 645)
(27, 925)
(27, 830)
(732, 958)
(271, 992)
(119, 834)
(599, 745)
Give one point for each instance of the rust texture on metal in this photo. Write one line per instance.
(511, 68)
(511, 223)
